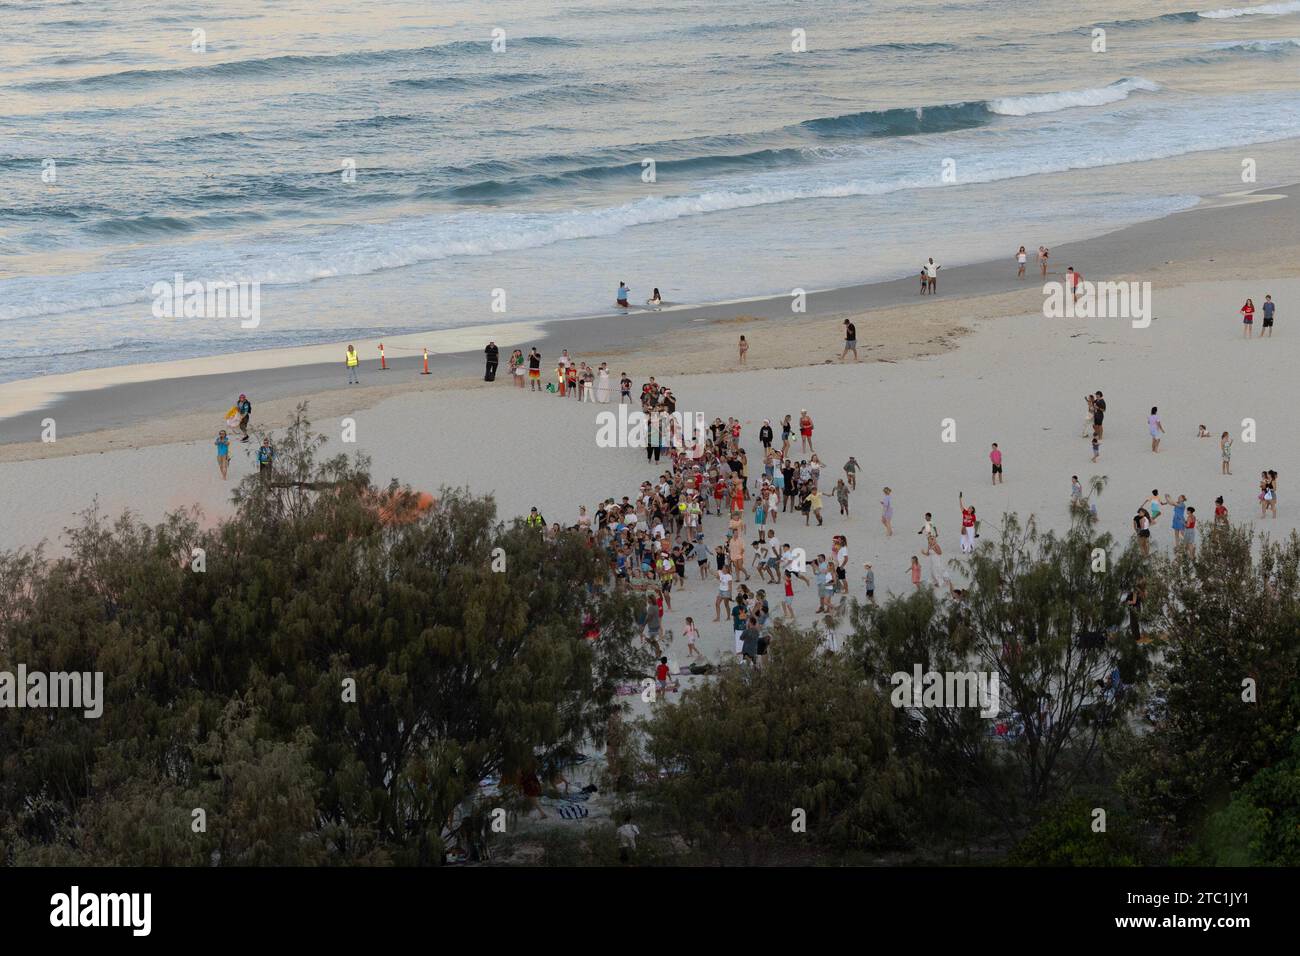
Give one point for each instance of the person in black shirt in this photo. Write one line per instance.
(765, 434)
(535, 371)
(493, 355)
(1098, 416)
(850, 341)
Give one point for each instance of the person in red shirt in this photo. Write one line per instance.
(967, 525)
(1220, 512)
(1189, 533)
(787, 606)
(661, 674)
(1248, 318)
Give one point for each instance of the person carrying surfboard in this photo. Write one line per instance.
(245, 408)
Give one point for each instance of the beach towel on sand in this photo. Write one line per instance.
(568, 810)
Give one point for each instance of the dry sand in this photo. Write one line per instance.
(991, 363)
(1018, 380)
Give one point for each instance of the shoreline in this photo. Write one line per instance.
(102, 409)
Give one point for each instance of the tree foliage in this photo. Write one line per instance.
(225, 689)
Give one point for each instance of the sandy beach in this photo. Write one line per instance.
(989, 362)
(105, 408)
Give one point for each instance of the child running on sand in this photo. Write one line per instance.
(692, 635)
(851, 472)
(842, 497)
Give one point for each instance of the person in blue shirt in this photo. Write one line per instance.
(265, 455)
(245, 409)
(1269, 308)
(623, 293)
(223, 452)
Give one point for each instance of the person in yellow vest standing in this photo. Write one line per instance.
(353, 361)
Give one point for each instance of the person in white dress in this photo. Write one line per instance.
(602, 384)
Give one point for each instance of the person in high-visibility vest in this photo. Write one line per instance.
(353, 361)
(534, 520)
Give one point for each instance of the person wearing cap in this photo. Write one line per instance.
(535, 520)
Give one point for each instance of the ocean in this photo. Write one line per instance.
(391, 166)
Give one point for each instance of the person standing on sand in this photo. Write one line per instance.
(1267, 308)
(1098, 416)
(1142, 526)
(1189, 534)
(1247, 318)
(805, 430)
(743, 347)
(925, 281)
(353, 360)
(995, 456)
(245, 409)
(223, 453)
(534, 370)
(1225, 452)
(722, 603)
(967, 525)
(869, 582)
(932, 276)
(265, 457)
(916, 572)
(850, 341)
(1220, 512)
(887, 512)
(492, 354)
(1021, 258)
(1043, 255)
(602, 384)
(1156, 428)
(1177, 519)
(517, 368)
